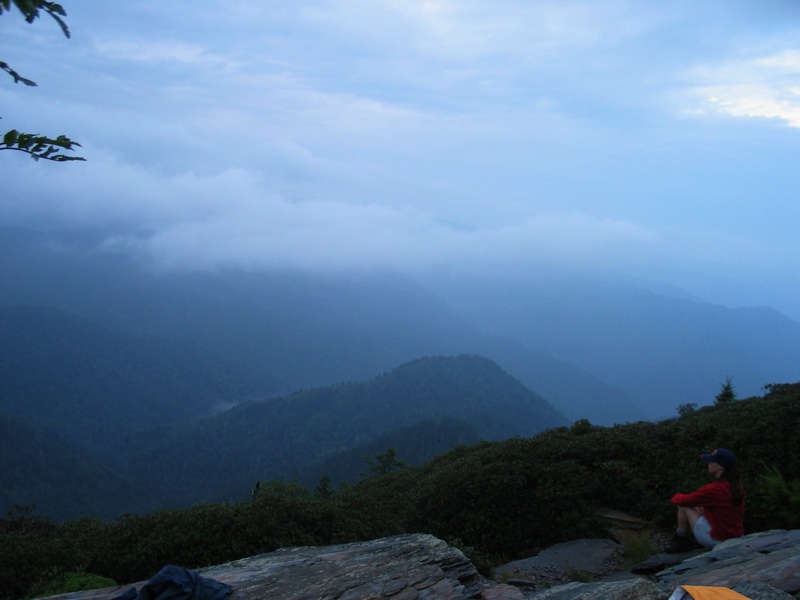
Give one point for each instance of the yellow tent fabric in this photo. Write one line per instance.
(704, 592)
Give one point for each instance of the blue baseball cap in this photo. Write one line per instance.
(722, 457)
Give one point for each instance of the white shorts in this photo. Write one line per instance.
(702, 533)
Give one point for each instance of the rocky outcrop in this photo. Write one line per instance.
(405, 567)
(399, 568)
(770, 557)
(761, 566)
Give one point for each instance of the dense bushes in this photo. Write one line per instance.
(499, 499)
(513, 497)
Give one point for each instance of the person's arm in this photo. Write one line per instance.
(711, 494)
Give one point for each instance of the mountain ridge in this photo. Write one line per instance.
(661, 349)
(436, 402)
(275, 438)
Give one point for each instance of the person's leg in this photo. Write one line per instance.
(683, 539)
(687, 516)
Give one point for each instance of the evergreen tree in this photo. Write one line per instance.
(324, 489)
(726, 394)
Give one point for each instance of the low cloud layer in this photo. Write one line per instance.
(652, 140)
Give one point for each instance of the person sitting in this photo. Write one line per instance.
(714, 512)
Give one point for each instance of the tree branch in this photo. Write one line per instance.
(17, 77)
(30, 9)
(39, 146)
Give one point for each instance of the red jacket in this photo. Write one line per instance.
(716, 501)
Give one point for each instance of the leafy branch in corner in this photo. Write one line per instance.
(30, 9)
(38, 146)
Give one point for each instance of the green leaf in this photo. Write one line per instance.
(39, 146)
(30, 10)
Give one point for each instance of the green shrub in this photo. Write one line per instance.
(780, 499)
(69, 582)
(637, 545)
(31, 549)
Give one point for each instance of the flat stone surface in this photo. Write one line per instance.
(629, 589)
(761, 591)
(589, 556)
(769, 557)
(502, 592)
(659, 562)
(761, 566)
(406, 567)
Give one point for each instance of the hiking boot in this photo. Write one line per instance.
(680, 543)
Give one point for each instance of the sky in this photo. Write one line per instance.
(658, 140)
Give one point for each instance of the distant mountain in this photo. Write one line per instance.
(221, 457)
(662, 349)
(283, 331)
(595, 347)
(90, 384)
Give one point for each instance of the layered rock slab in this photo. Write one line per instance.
(769, 557)
(404, 567)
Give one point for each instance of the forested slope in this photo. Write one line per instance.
(421, 408)
(221, 457)
(39, 469)
(91, 384)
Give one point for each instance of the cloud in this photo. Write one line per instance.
(758, 101)
(764, 87)
(469, 29)
(410, 133)
(229, 218)
(165, 51)
(335, 236)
